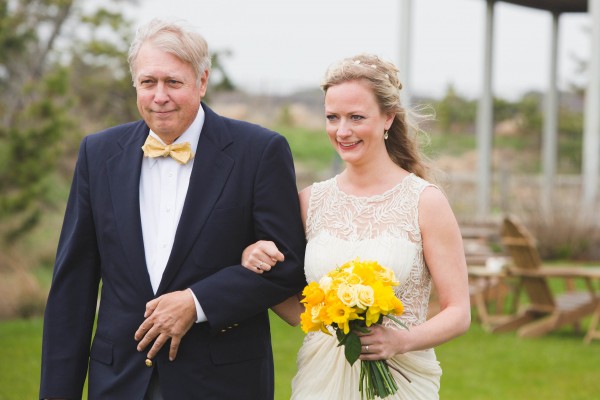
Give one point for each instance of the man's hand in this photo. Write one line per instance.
(169, 316)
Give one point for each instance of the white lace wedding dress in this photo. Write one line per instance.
(339, 228)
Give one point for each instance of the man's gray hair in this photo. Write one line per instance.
(175, 37)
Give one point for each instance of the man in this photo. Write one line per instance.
(178, 317)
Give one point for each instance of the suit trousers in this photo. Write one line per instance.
(153, 392)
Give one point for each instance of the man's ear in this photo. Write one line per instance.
(203, 82)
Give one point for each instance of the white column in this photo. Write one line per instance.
(591, 129)
(549, 142)
(485, 122)
(405, 50)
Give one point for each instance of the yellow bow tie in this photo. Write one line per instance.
(180, 152)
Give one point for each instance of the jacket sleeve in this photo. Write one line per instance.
(71, 305)
(276, 217)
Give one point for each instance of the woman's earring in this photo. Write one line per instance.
(385, 135)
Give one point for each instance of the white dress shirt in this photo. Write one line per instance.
(163, 186)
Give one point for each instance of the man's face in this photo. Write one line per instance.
(168, 96)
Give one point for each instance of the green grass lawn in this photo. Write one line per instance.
(487, 366)
(20, 352)
(309, 147)
(477, 365)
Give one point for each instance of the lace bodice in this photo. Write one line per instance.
(384, 227)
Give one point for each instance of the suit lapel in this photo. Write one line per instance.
(125, 194)
(210, 172)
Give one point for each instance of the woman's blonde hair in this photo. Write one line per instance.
(382, 77)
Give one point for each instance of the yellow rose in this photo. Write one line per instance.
(365, 296)
(387, 276)
(315, 312)
(325, 283)
(347, 294)
(306, 322)
(346, 276)
(353, 279)
(313, 294)
(357, 286)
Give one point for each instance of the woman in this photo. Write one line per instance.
(380, 207)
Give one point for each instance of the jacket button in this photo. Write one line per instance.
(148, 362)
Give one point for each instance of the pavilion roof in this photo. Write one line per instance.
(558, 6)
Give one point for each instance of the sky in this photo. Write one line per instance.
(281, 46)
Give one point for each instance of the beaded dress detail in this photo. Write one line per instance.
(385, 228)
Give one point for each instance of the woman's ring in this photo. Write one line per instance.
(366, 348)
(260, 264)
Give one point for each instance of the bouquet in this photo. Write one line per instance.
(351, 298)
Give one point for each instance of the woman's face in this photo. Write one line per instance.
(355, 124)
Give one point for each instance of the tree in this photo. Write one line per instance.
(219, 76)
(57, 71)
(63, 73)
(33, 109)
(100, 78)
(454, 113)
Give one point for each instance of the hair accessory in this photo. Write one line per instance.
(373, 66)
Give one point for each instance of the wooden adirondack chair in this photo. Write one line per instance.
(490, 291)
(545, 311)
(593, 330)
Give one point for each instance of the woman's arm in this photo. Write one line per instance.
(260, 257)
(289, 310)
(263, 255)
(444, 256)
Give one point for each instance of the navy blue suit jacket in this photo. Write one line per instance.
(242, 189)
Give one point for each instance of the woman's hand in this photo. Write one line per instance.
(382, 342)
(261, 256)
